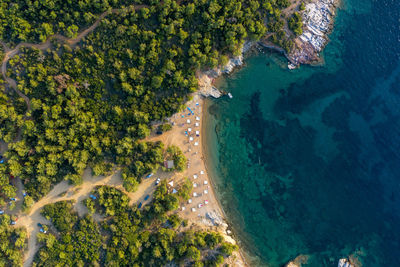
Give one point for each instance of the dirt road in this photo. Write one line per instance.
(64, 191)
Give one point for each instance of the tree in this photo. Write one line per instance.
(193, 253)
(175, 153)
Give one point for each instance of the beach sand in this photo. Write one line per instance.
(194, 153)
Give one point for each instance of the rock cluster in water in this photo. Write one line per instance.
(345, 263)
(298, 261)
(318, 20)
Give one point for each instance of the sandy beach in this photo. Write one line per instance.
(203, 209)
(187, 135)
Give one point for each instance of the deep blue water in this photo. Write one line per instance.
(307, 162)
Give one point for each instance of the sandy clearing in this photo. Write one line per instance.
(64, 191)
(61, 192)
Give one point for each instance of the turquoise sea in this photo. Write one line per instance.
(307, 162)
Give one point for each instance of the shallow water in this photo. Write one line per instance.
(308, 161)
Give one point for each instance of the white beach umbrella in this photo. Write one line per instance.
(201, 172)
(205, 191)
(171, 183)
(205, 182)
(196, 143)
(194, 176)
(197, 124)
(189, 129)
(188, 121)
(197, 118)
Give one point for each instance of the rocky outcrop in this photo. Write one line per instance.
(298, 261)
(318, 18)
(206, 78)
(345, 263)
(213, 218)
(206, 87)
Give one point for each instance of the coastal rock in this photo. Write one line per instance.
(232, 63)
(318, 20)
(298, 261)
(214, 218)
(345, 263)
(206, 78)
(206, 88)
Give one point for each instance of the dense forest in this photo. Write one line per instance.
(12, 242)
(89, 105)
(33, 20)
(126, 235)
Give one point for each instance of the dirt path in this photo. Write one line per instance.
(10, 53)
(61, 192)
(64, 191)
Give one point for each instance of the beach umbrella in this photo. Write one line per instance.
(189, 129)
(194, 176)
(205, 182)
(205, 191)
(197, 118)
(197, 124)
(201, 172)
(188, 121)
(196, 144)
(190, 138)
(171, 183)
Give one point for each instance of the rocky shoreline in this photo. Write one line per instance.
(318, 19)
